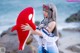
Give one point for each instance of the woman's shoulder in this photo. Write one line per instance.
(52, 22)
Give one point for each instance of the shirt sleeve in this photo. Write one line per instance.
(48, 38)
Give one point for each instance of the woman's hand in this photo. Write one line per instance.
(41, 25)
(25, 27)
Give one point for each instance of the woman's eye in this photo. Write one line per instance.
(30, 16)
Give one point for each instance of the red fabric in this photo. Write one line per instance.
(46, 7)
(23, 19)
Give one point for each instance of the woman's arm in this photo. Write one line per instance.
(37, 32)
(27, 27)
(51, 26)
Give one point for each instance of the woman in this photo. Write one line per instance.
(46, 30)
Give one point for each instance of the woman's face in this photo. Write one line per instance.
(45, 14)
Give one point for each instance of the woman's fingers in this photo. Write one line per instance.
(23, 25)
(27, 24)
(26, 27)
(24, 30)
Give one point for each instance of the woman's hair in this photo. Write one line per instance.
(52, 14)
(52, 11)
